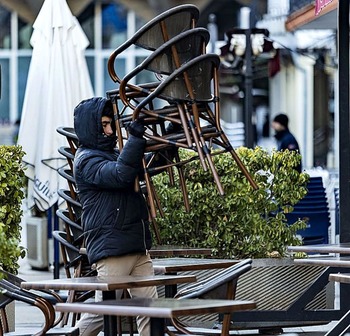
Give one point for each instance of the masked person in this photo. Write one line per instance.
(115, 216)
(285, 139)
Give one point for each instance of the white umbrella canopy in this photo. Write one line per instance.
(58, 80)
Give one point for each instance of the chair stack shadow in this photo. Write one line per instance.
(314, 209)
(184, 95)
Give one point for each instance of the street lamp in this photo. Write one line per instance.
(247, 42)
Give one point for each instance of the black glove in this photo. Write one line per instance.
(173, 128)
(136, 128)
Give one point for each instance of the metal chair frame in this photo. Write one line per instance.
(183, 88)
(221, 285)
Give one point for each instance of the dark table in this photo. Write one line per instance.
(342, 248)
(175, 265)
(108, 285)
(157, 309)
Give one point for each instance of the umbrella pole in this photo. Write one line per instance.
(53, 219)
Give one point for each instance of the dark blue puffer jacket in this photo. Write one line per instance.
(115, 217)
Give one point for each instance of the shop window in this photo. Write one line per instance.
(5, 90)
(86, 20)
(5, 31)
(25, 31)
(114, 25)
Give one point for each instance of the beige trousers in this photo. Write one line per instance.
(140, 264)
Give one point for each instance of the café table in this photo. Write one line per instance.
(107, 285)
(341, 248)
(158, 309)
(335, 257)
(175, 265)
(344, 323)
(331, 255)
(172, 251)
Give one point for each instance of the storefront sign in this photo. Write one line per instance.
(319, 4)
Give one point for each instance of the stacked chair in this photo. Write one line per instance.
(10, 290)
(183, 97)
(315, 210)
(185, 94)
(71, 240)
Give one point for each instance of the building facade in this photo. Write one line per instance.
(304, 72)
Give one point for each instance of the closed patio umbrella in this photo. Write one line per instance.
(58, 80)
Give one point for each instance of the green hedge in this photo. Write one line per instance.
(12, 182)
(244, 222)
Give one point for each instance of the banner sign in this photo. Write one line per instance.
(319, 4)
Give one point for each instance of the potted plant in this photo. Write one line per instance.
(12, 181)
(244, 222)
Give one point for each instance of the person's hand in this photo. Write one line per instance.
(136, 128)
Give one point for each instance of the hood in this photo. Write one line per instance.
(88, 125)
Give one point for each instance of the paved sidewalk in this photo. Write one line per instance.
(26, 316)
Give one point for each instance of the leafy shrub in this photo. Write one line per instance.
(12, 181)
(244, 222)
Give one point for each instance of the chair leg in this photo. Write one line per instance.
(4, 327)
(226, 325)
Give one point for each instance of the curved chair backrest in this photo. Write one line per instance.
(72, 138)
(167, 58)
(157, 31)
(216, 285)
(68, 154)
(317, 225)
(221, 285)
(46, 308)
(68, 175)
(316, 191)
(73, 228)
(315, 180)
(11, 290)
(191, 83)
(311, 207)
(75, 263)
(73, 205)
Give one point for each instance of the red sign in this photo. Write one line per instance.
(319, 4)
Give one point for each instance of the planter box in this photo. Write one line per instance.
(10, 312)
(274, 284)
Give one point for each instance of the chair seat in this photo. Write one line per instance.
(68, 331)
